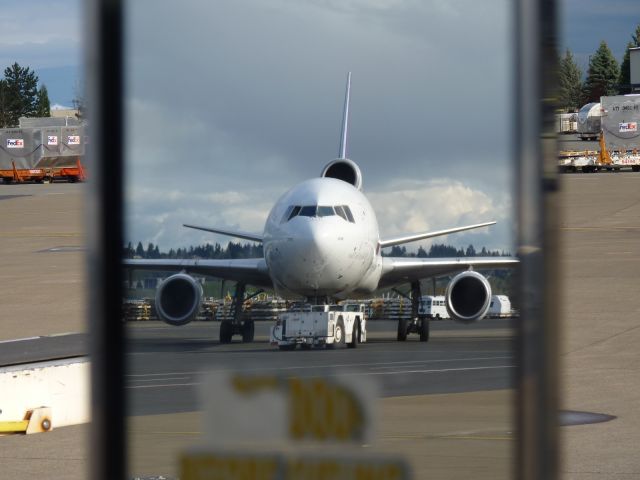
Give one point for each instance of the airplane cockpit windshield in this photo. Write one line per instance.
(318, 211)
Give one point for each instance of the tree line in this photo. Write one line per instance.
(604, 76)
(21, 97)
(249, 250)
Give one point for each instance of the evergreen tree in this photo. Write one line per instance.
(43, 106)
(4, 121)
(20, 94)
(625, 68)
(602, 76)
(128, 251)
(570, 78)
(140, 250)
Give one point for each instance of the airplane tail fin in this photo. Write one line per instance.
(342, 150)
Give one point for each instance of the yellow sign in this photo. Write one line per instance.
(264, 407)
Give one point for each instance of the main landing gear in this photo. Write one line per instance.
(416, 324)
(240, 324)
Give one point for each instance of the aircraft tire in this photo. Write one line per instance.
(226, 332)
(424, 330)
(248, 331)
(287, 348)
(306, 346)
(339, 335)
(355, 335)
(402, 330)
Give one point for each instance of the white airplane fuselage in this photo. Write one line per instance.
(323, 252)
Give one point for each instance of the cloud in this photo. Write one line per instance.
(421, 206)
(244, 98)
(40, 33)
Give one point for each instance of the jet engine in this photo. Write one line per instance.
(178, 299)
(345, 170)
(468, 297)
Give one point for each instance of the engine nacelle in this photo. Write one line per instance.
(178, 299)
(468, 297)
(345, 170)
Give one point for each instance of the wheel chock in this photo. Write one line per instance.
(37, 420)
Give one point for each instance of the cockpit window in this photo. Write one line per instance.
(340, 211)
(287, 214)
(294, 211)
(347, 210)
(324, 211)
(308, 211)
(318, 211)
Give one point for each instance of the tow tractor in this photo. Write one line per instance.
(330, 326)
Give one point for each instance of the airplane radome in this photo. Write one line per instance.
(321, 242)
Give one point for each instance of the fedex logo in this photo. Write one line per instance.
(629, 127)
(52, 140)
(15, 143)
(73, 139)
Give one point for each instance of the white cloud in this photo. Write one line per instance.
(244, 99)
(420, 206)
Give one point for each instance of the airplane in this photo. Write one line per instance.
(321, 242)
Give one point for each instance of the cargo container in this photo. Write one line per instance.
(621, 136)
(42, 153)
(589, 121)
(500, 307)
(566, 122)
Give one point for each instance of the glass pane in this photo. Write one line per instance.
(232, 107)
(325, 211)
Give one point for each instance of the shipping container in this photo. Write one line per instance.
(589, 121)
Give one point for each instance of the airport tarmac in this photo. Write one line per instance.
(600, 358)
(165, 363)
(42, 261)
(571, 142)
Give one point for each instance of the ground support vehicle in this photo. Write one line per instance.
(433, 307)
(331, 326)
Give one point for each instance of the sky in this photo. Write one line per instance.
(230, 103)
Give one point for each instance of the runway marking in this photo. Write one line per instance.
(601, 229)
(444, 370)
(448, 437)
(476, 437)
(305, 367)
(443, 360)
(20, 340)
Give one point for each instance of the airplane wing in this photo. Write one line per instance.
(248, 270)
(254, 237)
(396, 270)
(421, 236)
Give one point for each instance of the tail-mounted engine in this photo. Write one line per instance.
(468, 297)
(345, 170)
(178, 299)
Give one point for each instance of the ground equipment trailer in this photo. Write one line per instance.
(333, 326)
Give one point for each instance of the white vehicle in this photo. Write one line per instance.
(321, 242)
(500, 307)
(333, 326)
(433, 307)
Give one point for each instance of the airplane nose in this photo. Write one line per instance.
(312, 241)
